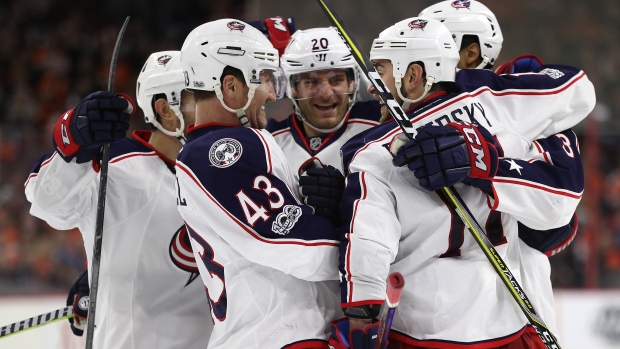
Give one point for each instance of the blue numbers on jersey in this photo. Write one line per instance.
(180, 200)
(493, 229)
(215, 282)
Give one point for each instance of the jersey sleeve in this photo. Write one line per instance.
(541, 103)
(61, 193)
(550, 241)
(542, 191)
(369, 239)
(240, 187)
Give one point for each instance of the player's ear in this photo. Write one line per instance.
(414, 76)
(163, 109)
(229, 85)
(472, 55)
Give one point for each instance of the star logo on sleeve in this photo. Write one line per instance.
(514, 165)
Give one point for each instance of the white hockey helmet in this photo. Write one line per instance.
(470, 17)
(315, 50)
(417, 39)
(212, 46)
(162, 74)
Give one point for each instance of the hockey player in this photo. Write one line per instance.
(322, 81)
(453, 297)
(148, 293)
(479, 38)
(255, 243)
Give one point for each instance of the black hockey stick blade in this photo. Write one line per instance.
(103, 182)
(472, 225)
(395, 284)
(37, 321)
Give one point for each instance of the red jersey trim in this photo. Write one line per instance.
(348, 252)
(308, 344)
(266, 146)
(537, 186)
(444, 344)
(566, 241)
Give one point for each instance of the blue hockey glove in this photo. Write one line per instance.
(101, 117)
(79, 298)
(442, 156)
(356, 339)
(277, 29)
(521, 64)
(321, 187)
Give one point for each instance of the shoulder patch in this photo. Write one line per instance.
(225, 152)
(553, 73)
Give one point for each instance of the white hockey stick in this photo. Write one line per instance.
(103, 182)
(457, 203)
(37, 321)
(395, 284)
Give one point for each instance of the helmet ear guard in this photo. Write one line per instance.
(162, 74)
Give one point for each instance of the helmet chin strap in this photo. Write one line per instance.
(406, 101)
(179, 132)
(485, 61)
(321, 130)
(245, 122)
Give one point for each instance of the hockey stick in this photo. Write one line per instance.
(395, 285)
(37, 321)
(103, 182)
(472, 225)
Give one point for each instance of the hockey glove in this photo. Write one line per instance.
(101, 117)
(442, 156)
(357, 338)
(79, 298)
(277, 29)
(521, 64)
(321, 187)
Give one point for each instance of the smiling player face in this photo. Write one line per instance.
(323, 96)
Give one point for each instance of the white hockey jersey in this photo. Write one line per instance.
(256, 245)
(298, 148)
(452, 294)
(149, 292)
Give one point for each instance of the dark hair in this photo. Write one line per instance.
(204, 95)
(469, 39)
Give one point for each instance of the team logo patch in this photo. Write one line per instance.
(285, 221)
(236, 25)
(461, 4)
(182, 255)
(417, 24)
(315, 143)
(163, 60)
(84, 303)
(225, 152)
(553, 73)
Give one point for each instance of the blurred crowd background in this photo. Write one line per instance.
(55, 52)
